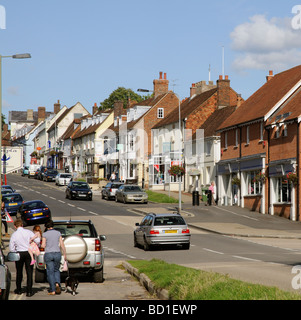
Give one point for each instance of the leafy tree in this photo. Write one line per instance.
(122, 94)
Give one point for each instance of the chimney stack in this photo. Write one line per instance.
(57, 107)
(95, 108)
(41, 114)
(160, 85)
(29, 115)
(118, 108)
(223, 92)
(270, 76)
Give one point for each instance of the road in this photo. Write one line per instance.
(253, 260)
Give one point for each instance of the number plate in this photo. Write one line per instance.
(37, 214)
(13, 204)
(170, 231)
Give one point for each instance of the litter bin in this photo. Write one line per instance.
(195, 198)
(204, 194)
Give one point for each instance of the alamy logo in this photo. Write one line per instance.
(2, 17)
(296, 21)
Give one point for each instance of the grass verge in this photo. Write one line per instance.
(192, 284)
(160, 198)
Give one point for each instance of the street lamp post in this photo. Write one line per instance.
(180, 148)
(15, 56)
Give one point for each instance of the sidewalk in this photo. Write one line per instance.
(229, 220)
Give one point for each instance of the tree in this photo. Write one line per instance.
(121, 94)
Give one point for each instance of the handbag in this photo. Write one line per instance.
(64, 265)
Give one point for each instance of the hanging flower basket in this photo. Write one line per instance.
(260, 177)
(34, 154)
(292, 178)
(176, 171)
(235, 181)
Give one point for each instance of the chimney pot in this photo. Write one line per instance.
(220, 77)
(164, 76)
(160, 77)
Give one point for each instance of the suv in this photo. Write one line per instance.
(109, 190)
(84, 251)
(162, 229)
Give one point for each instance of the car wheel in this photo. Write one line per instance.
(98, 276)
(124, 201)
(186, 246)
(102, 197)
(135, 241)
(146, 246)
(116, 200)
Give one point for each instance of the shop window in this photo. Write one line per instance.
(283, 190)
(254, 186)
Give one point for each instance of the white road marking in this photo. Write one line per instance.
(213, 251)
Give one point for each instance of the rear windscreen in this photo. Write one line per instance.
(14, 198)
(169, 221)
(82, 230)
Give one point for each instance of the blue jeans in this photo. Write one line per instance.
(53, 261)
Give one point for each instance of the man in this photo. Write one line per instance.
(19, 242)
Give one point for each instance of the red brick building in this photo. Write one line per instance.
(261, 147)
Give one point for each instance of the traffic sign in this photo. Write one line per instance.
(9, 218)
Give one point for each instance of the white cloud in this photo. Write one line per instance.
(266, 44)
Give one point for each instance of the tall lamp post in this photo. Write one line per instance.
(15, 56)
(180, 147)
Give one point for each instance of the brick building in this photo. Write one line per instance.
(204, 102)
(260, 148)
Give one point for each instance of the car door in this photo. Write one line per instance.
(140, 231)
(119, 193)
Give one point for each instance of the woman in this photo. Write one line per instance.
(3, 218)
(53, 243)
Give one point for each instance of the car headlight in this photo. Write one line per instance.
(73, 191)
(89, 192)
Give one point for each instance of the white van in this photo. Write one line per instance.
(32, 170)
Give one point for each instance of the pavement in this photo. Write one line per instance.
(228, 220)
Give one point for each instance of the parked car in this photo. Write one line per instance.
(32, 170)
(41, 172)
(131, 193)
(34, 212)
(5, 278)
(50, 174)
(84, 250)
(7, 187)
(5, 191)
(63, 179)
(78, 190)
(162, 229)
(12, 202)
(24, 171)
(109, 190)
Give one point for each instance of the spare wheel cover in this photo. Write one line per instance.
(76, 248)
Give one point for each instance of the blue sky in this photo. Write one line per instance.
(83, 50)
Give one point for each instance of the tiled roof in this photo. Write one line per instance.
(265, 98)
(187, 107)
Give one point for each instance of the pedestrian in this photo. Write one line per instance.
(19, 242)
(33, 247)
(212, 188)
(3, 218)
(113, 177)
(53, 243)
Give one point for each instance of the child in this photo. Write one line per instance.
(33, 248)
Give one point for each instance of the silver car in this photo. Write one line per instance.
(84, 250)
(131, 193)
(109, 190)
(162, 229)
(62, 179)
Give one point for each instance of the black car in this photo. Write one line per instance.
(41, 172)
(78, 190)
(34, 212)
(50, 174)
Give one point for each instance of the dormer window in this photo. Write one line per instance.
(160, 113)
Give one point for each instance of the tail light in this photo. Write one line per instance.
(154, 232)
(97, 245)
(185, 231)
(110, 189)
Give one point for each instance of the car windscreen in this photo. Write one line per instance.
(132, 189)
(65, 176)
(33, 205)
(115, 185)
(169, 221)
(82, 230)
(12, 198)
(80, 185)
(52, 172)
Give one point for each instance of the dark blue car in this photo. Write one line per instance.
(12, 202)
(34, 212)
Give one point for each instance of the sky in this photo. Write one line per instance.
(83, 50)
